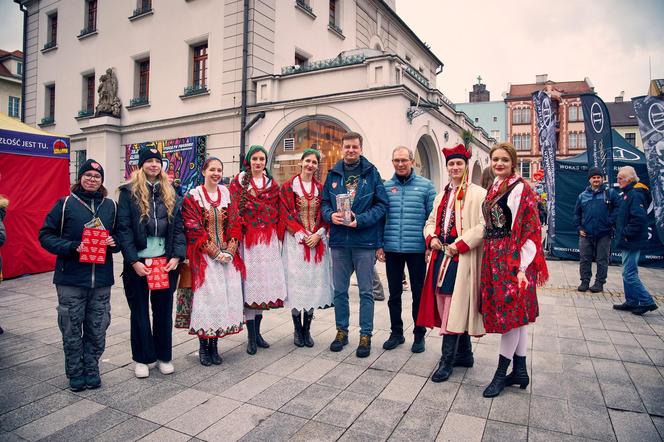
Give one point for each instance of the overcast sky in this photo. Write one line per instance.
(510, 41)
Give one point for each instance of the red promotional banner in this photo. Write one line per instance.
(158, 277)
(93, 246)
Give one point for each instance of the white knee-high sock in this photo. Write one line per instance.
(522, 346)
(508, 343)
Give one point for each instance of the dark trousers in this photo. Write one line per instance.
(599, 249)
(149, 343)
(83, 317)
(394, 266)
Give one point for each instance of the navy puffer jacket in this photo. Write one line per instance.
(409, 205)
(62, 232)
(632, 222)
(595, 211)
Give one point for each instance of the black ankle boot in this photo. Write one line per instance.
(251, 337)
(498, 383)
(259, 339)
(298, 339)
(203, 352)
(519, 373)
(445, 366)
(213, 351)
(306, 329)
(464, 354)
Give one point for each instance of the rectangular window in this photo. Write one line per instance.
(19, 68)
(524, 169)
(582, 140)
(13, 107)
(300, 60)
(495, 134)
(53, 29)
(89, 91)
(49, 104)
(521, 116)
(144, 78)
(200, 64)
(521, 142)
(333, 12)
(576, 140)
(91, 20)
(495, 119)
(630, 137)
(145, 5)
(573, 113)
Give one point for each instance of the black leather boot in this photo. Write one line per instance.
(298, 340)
(251, 337)
(306, 329)
(213, 351)
(445, 366)
(464, 354)
(498, 383)
(203, 352)
(519, 373)
(259, 339)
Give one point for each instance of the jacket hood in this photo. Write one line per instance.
(365, 165)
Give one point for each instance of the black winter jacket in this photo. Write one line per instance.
(133, 233)
(61, 235)
(632, 222)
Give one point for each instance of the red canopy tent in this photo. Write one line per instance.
(34, 173)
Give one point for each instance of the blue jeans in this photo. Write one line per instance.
(345, 261)
(635, 292)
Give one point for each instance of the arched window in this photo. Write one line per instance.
(318, 132)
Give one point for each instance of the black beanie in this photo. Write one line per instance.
(593, 171)
(91, 165)
(146, 152)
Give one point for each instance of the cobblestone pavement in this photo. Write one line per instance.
(595, 374)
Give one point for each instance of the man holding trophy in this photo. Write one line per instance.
(354, 203)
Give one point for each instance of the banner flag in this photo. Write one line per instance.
(183, 157)
(598, 134)
(650, 114)
(546, 129)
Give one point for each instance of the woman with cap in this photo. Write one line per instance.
(305, 253)
(513, 265)
(84, 289)
(150, 226)
(255, 221)
(216, 310)
(454, 233)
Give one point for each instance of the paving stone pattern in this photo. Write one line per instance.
(596, 374)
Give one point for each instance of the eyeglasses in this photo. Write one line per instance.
(92, 177)
(400, 161)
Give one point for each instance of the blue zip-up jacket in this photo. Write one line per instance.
(632, 221)
(61, 235)
(369, 207)
(410, 203)
(596, 210)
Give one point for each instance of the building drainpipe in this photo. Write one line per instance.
(24, 9)
(245, 69)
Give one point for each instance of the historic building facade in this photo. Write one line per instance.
(315, 69)
(11, 75)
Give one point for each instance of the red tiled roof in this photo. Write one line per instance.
(16, 53)
(564, 87)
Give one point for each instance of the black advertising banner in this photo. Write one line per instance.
(598, 134)
(650, 113)
(546, 129)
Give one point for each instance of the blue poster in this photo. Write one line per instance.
(24, 143)
(598, 134)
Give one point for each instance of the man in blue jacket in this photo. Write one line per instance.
(410, 199)
(595, 220)
(632, 235)
(354, 245)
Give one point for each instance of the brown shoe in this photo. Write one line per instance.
(340, 341)
(364, 349)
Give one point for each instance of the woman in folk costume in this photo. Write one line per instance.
(305, 253)
(513, 265)
(255, 221)
(454, 234)
(216, 309)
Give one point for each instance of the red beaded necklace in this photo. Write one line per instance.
(308, 195)
(256, 189)
(209, 200)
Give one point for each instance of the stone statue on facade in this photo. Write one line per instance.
(109, 103)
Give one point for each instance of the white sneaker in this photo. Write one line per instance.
(165, 367)
(141, 370)
(152, 365)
